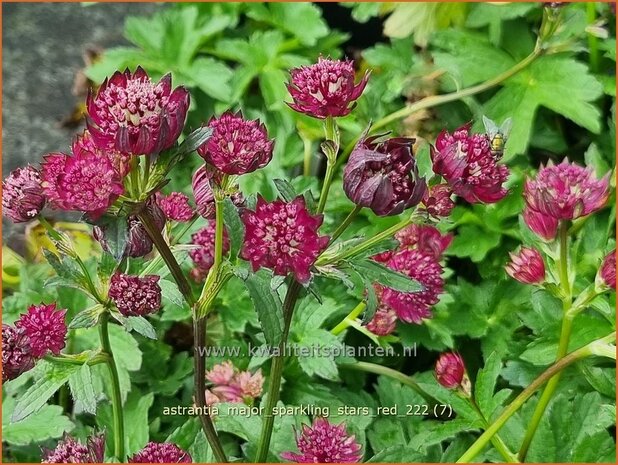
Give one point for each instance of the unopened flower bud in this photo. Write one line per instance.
(451, 373)
(607, 271)
(542, 225)
(526, 266)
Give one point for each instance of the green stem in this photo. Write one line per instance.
(367, 244)
(563, 345)
(276, 372)
(72, 360)
(307, 155)
(593, 41)
(435, 100)
(328, 179)
(343, 226)
(117, 411)
(345, 323)
(591, 349)
(199, 331)
(498, 443)
(168, 256)
(178, 237)
(332, 137)
(394, 374)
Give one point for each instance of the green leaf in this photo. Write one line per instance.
(285, 189)
(546, 82)
(170, 291)
(82, 390)
(486, 383)
(184, 436)
(234, 226)
(379, 273)
(267, 304)
(87, 318)
(195, 139)
(136, 420)
(48, 422)
(142, 326)
(317, 350)
(474, 242)
(211, 76)
(115, 234)
(397, 454)
(37, 395)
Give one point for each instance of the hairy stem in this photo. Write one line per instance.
(117, 411)
(343, 226)
(276, 372)
(598, 347)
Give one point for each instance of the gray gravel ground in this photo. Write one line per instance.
(43, 45)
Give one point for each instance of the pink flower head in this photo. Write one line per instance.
(383, 322)
(383, 176)
(414, 307)
(466, 162)
(203, 256)
(283, 237)
(132, 114)
(22, 195)
(437, 200)
(450, 370)
(237, 145)
(166, 452)
(70, 450)
(325, 88)
(135, 296)
(526, 266)
(228, 393)
(16, 352)
(544, 226)
(608, 269)
(45, 328)
(250, 385)
(323, 442)
(566, 191)
(120, 161)
(425, 238)
(221, 373)
(175, 206)
(84, 182)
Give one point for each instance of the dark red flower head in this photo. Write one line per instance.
(467, 163)
(166, 452)
(283, 237)
(566, 191)
(425, 238)
(544, 226)
(45, 328)
(325, 88)
(135, 296)
(437, 200)
(383, 322)
(450, 370)
(70, 450)
(414, 307)
(383, 176)
(22, 195)
(175, 206)
(119, 160)
(17, 355)
(203, 255)
(526, 266)
(83, 182)
(132, 114)
(608, 269)
(323, 442)
(237, 145)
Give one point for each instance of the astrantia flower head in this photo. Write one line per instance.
(203, 256)
(544, 226)
(232, 385)
(526, 266)
(608, 270)
(119, 160)
(237, 145)
(414, 307)
(166, 452)
(22, 195)
(250, 384)
(467, 163)
(425, 238)
(323, 442)
(451, 372)
(437, 200)
(17, 355)
(283, 236)
(175, 206)
(222, 373)
(135, 296)
(325, 88)
(84, 182)
(70, 450)
(382, 175)
(383, 322)
(132, 114)
(45, 328)
(566, 191)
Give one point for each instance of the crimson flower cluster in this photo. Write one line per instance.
(71, 450)
(22, 195)
(175, 206)
(161, 452)
(135, 296)
(231, 385)
(38, 332)
(323, 442)
(203, 254)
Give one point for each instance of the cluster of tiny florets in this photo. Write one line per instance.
(22, 195)
(165, 452)
(232, 385)
(134, 295)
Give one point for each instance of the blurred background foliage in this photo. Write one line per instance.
(236, 55)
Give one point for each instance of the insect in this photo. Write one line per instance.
(497, 135)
